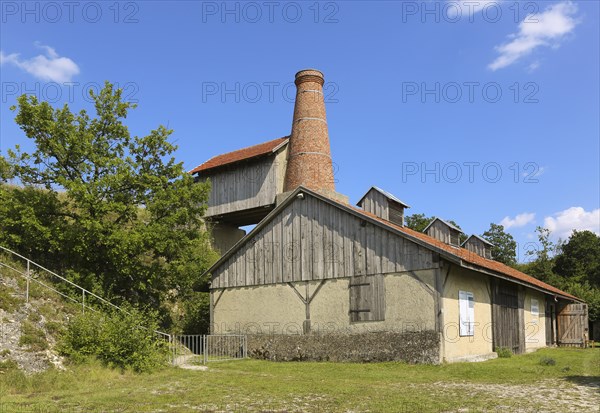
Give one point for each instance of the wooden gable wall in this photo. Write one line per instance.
(244, 186)
(376, 203)
(311, 239)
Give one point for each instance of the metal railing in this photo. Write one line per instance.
(194, 349)
(32, 267)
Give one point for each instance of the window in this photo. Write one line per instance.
(466, 308)
(367, 298)
(535, 309)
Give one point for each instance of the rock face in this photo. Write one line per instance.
(28, 329)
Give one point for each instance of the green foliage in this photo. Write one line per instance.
(120, 340)
(505, 246)
(32, 337)
(197, 314)
(541, 266)
(8, 365)
(579, 258)
(547, 361)
(9, 302)
(504, 352)
(573, 269)
(417, 222)
(115, 213)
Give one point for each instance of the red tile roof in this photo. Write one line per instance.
(471, 257)
(240, 155)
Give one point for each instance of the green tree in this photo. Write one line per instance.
(417, 222)
(579, 258)
(578, 263)
(129, 216)
(543, 261)
(505, 247)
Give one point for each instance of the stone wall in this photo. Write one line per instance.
(410, 347)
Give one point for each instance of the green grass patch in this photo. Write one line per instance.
(8, 301)
(252, 385)
(32, 337)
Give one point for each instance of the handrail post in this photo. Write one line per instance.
(83, 301)
(27, 288)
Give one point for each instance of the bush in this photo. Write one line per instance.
(197, 314)
(504, 352)
(547, 361)
(118, 339)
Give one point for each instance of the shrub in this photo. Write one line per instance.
(118, 339)
(547, 361)
(504, 352)
(197, 314)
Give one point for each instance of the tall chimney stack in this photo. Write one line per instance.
(309, 157)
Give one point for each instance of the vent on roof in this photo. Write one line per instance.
(479, 246)
(384, 205)
(443, 231)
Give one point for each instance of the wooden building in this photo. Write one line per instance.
(315, 265)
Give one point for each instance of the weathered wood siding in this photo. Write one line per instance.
(572, 324)
(376, 203)
(478, 247)
(442, 232)
(313, 240)
(507, 316)
(245, 186)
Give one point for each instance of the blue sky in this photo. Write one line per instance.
(480, 112)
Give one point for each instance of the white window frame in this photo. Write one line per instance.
(534, 304)
(466, 313)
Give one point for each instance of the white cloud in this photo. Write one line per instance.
(564, 222)
(48, 66)
(519, 221)
(548, 28)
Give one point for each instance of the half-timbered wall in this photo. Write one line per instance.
(313, 240)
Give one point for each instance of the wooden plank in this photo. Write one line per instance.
(348, 225)
(326, 220)
(278, 251)
(288, 244)
(296, 237)
(359, 251)
(268, 253)
(306, 238)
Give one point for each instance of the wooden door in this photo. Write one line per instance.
(550, 317)
(572, 324)
(507, 317)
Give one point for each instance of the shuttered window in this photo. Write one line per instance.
(466, 309)
(367, 298)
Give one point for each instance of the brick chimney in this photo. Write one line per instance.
(309, 158)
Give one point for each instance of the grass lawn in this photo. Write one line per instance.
(518, 384)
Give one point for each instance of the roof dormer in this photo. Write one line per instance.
(479, 246)
(443, 231)
(384, 205)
